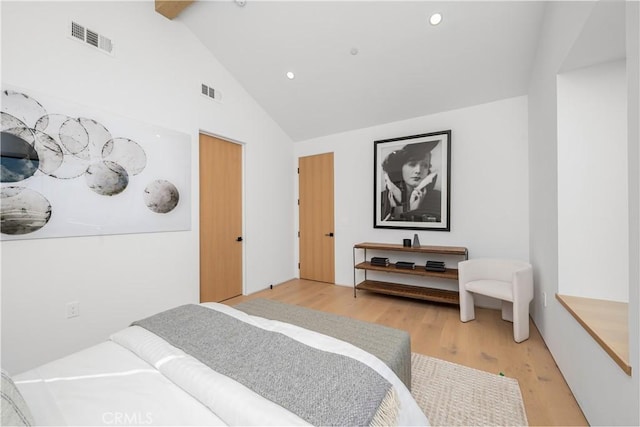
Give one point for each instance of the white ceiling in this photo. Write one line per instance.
(481, 52)
(602, 38)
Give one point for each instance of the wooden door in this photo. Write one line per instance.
(220, 219)
(316, 218)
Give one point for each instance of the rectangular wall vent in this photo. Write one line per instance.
(77, 31)
(90, 37)
(210, 92)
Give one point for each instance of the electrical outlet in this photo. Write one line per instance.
(544, 299)
(73, 309)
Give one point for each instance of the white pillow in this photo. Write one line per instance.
(14, 409)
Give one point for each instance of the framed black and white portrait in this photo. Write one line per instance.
(412, 177)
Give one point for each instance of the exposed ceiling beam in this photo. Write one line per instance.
(171, 8)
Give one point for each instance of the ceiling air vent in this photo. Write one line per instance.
(90, 37)
(210, 92)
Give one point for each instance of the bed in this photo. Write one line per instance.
(211, 364)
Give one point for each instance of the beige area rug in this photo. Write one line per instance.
(455, 395)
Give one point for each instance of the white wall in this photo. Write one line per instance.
(632, 27)
(605, 393)
(154, 77)
(593, 211)
(489, 177)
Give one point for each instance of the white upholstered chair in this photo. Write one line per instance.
(508, 280)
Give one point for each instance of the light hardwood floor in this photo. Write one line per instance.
(485, 343)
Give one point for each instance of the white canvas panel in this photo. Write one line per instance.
(73, 170)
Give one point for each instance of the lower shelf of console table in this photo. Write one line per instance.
(409, 291)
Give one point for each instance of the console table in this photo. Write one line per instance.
(410, 291)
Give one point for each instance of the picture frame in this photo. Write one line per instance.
(71, 170)
(412, 182)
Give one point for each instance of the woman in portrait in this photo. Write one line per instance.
(409, 183)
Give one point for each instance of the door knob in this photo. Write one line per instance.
(239, 239)
(329, 235)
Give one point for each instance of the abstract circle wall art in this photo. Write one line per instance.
(83, 171)
(18, 159)
(22, 210)
(107, 178)
(161, 196)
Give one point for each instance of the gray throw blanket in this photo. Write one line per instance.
(320, 387)
(392, 346)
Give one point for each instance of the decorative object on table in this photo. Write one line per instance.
(406, 265)
(406, 243)
(380, 261)
(435, 266)
(412, 176)
(416, 241)
(74, 170)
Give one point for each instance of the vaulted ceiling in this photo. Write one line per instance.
(171, 8)
(363, 63)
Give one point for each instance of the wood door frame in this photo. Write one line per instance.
(243, 197)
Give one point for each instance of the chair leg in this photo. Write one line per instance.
(507, 311)
(467, 311)
(520, 321)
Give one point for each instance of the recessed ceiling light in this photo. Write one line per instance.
(435, 19)
(354, 51)
(290, 75)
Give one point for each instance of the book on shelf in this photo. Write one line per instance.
(381, 261)
(406, 265)
(435, 266)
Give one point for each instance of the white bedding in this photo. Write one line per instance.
(107, 385)
(137, 378)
